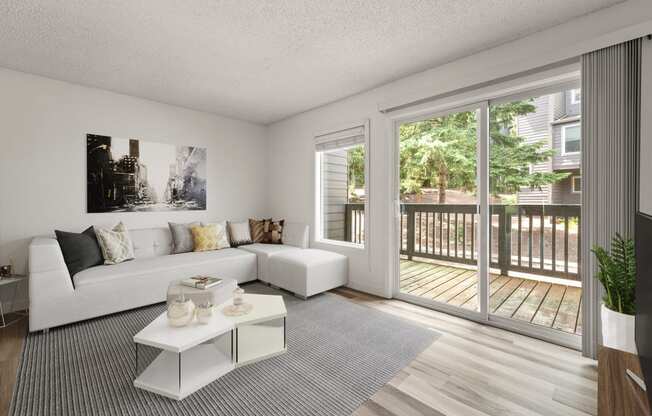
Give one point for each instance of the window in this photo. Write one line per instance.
(576, 96)
(570, 139)
(576, 183)
(341, 187)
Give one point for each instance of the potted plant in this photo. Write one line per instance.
(617, 273)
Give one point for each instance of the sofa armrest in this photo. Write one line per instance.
(296, 234)
(48, 273)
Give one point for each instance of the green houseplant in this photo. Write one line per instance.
(617, 273)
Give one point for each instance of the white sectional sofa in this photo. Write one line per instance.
(143, 281)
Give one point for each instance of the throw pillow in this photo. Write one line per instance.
(80, 250)
(239, 233)
(182, 241)
(222, 234)
(273, 231)
(116, 244)
(205, 238)
(257, 228)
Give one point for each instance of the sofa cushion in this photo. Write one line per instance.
(295, 234)
(239, 233)
(116, 244)
(80, 251)
(205, 238)
(222, 233)
(152, 242)
(182, 236)
(173, 266)
(263, 252)
(274, 232)
(257, 229)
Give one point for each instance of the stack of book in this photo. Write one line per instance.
(201, 282)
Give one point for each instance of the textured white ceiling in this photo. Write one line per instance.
(258, 60)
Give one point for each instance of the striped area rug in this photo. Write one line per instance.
(339, 354)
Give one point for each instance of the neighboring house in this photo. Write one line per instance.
(556, 121)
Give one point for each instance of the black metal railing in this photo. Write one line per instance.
(536, 239)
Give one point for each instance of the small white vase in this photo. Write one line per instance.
(181, 311)
(618, 330)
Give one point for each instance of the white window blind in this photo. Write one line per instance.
(341, 139)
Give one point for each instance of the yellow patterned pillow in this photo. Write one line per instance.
(205, 238)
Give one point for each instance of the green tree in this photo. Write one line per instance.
(355, 163)
(441, 153)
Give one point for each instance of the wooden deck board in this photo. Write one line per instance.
(511, 304)
(552, 305)
(567, 315)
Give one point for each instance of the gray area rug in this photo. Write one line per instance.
(339, 354)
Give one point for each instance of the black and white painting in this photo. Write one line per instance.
(133, 175)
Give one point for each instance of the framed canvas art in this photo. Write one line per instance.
(133, 175)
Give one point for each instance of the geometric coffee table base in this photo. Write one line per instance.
(180, 361)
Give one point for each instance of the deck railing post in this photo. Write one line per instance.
(410, 231)
(347, 222)
(504, 238)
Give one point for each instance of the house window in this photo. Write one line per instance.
(570, 139)
(576, 183)
(342, 191)
(576, 96)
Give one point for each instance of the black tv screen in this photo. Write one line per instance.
(644, 296)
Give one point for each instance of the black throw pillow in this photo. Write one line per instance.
(80, 251)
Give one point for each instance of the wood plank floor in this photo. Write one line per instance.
(471, 370)
(11, 346)
(478, 370)
(551, 305)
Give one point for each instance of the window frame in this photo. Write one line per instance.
(318, 236)
(574, 96)
(573, 179)
(563, 138)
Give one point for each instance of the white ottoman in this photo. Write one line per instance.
(308, 272)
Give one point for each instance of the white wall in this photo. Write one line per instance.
(43, 127)
(645, 184)
(291, 140)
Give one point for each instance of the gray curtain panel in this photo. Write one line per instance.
(611, 110)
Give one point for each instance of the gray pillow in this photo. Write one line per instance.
(182, 237)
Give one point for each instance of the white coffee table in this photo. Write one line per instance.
(196, 355)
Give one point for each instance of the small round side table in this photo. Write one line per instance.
(14, 280)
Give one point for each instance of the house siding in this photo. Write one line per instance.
(571, 109)
(562, 191)
(334, 194)
(535, 127)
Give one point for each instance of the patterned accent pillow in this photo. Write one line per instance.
(182, 237)
(239, 233)
(273, 231)
(257, 228)
(115, 244)
(205, 238)
(222, 235)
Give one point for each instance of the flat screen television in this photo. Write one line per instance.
(644, 296)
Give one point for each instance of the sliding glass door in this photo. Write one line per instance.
(438, 194)
(535, 187)
(489, 203)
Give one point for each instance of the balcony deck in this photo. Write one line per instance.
(547, 304)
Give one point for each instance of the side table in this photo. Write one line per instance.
(14, 280)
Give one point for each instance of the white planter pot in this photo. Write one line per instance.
(618, 330)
